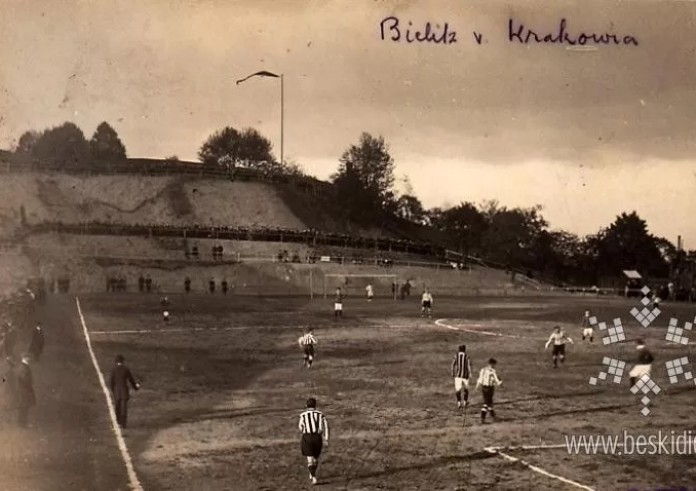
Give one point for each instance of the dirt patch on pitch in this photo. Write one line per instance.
(211, 432)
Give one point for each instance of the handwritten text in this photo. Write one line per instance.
(430, 33)
(525, 35)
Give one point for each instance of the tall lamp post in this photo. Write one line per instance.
(282, 104)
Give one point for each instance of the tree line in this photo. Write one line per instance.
(67, 143)
(515, 237)
(364, 193)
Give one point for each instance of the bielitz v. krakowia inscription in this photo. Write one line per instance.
(395, 30)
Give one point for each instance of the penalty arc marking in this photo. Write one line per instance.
(441, 323)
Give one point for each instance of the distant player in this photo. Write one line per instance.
(644, 365)
(370, 292)
(656, 300)
(426, 304)
(558, 338)
(307, 342)
(338, 303)
(587, 331)
(461, 371)
(488, 380)
(315, 436)
(164, 302)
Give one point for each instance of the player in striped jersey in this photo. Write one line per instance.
(307, 343)
(315, 436)
(488, 380)
(338, 303)
(559, 339)
(461, 371)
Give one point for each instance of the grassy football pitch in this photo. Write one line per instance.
(223, 385)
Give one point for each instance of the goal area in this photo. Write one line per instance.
(354, 285)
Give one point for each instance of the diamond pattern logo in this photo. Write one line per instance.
(647, 387)
(676, 367)
(645, 316)
(675, 334)
(615, 334)
(615, 368)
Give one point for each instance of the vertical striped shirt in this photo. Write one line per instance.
(314, 422)
(558, 339)
(488, 377)
(307, 339)
(339, 297)
(461, 366)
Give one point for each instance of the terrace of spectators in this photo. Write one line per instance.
(182, 205)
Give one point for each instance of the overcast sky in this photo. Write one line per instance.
(586, 134)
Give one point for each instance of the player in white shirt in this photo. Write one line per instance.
(370, 292)
(587, 331)
(164, 302)
(426, 304)
(338, 303)
(488, 380)
(559, 339)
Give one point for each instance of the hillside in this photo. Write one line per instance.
(195, 200)
(135, 199)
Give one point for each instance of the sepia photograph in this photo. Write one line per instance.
(347, 245)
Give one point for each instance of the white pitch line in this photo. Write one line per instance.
(441, 323)
(231, 328)
(132, 476)
(538, 470)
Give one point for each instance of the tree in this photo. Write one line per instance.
(26, 142)
(627, 244)
(464, 224)
(365, 179)
(512, 234)
(410, 208)
(105, 144)
(65, 143)
(247, 149)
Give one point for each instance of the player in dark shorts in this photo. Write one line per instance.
(307, 343)
(558, 338)
(315, 435)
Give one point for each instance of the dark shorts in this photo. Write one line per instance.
(559, 350)
(427, 304)
(488, 392)
(309, 350)
(311, 445)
